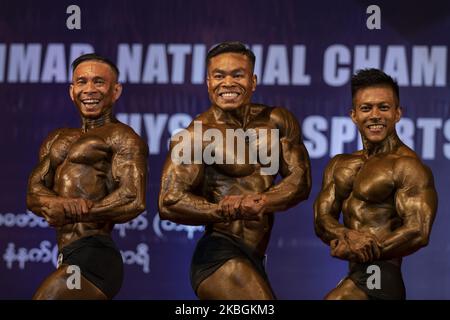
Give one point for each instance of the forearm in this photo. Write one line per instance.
(189, 209)
(56, 210)
(288, 192)
(402, 242)
(38, 194)
(37, 203)
(127, 201)
(326, 219)
(328, 228)
(118, 207)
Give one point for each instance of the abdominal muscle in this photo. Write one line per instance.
(73, 180)
(379, 220)
(254, 233)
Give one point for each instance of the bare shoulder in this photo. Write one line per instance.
(343, 167)
(62, 133)
(342, 162)
(287, 123)
(206, 118)
(408, 168)
(186, 136)
(123, 129)
(53, 136)
(124, 136)
(406, 159)
(348, 159)
(282, 116)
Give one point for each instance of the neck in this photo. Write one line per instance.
(236, 116)
(89, 124)
(390, 144)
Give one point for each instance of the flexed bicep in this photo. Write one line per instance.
(295, 184)
(40, 182)
(328, 206)
(129, 173)
(179, 198)
(416, 204)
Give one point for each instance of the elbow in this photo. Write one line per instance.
(30, 202)
(140, 207)
(297, 187)
(173, 214)
(304, 190)
(424, 243)
(135, 199)
(318, 229)
(165, 204)
(321, 234)
(307, 188)
(423, 240)
(305, 193)
(162, 209)
(420, 239)
(319, 225)
(301, 194)
(165, 212)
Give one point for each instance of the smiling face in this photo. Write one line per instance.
(230, 81)
(94, 88)
(375, 112)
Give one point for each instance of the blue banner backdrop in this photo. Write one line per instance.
(306, 52)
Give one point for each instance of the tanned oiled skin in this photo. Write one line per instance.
(88, 178)
(385, 193)
(236, 199)
(105, 165)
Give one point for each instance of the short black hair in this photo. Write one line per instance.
(371, 78)
(233, 47)
(95, 57)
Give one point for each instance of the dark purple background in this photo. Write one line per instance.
(299, 264)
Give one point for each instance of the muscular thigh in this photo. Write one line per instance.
(235, 279)
(55, 287)
(346, 290)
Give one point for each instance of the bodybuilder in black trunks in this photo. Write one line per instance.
(386, 195)
(230, 188)
(87, 180)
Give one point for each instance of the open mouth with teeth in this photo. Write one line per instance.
(229, 95)
(90, 104)
(376, 128)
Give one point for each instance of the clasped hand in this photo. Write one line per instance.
(356, 246)
(246, 207)
(59, 211)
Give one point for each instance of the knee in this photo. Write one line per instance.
(237, 270)
(335, 294)
(346, 290)
(43, 293)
